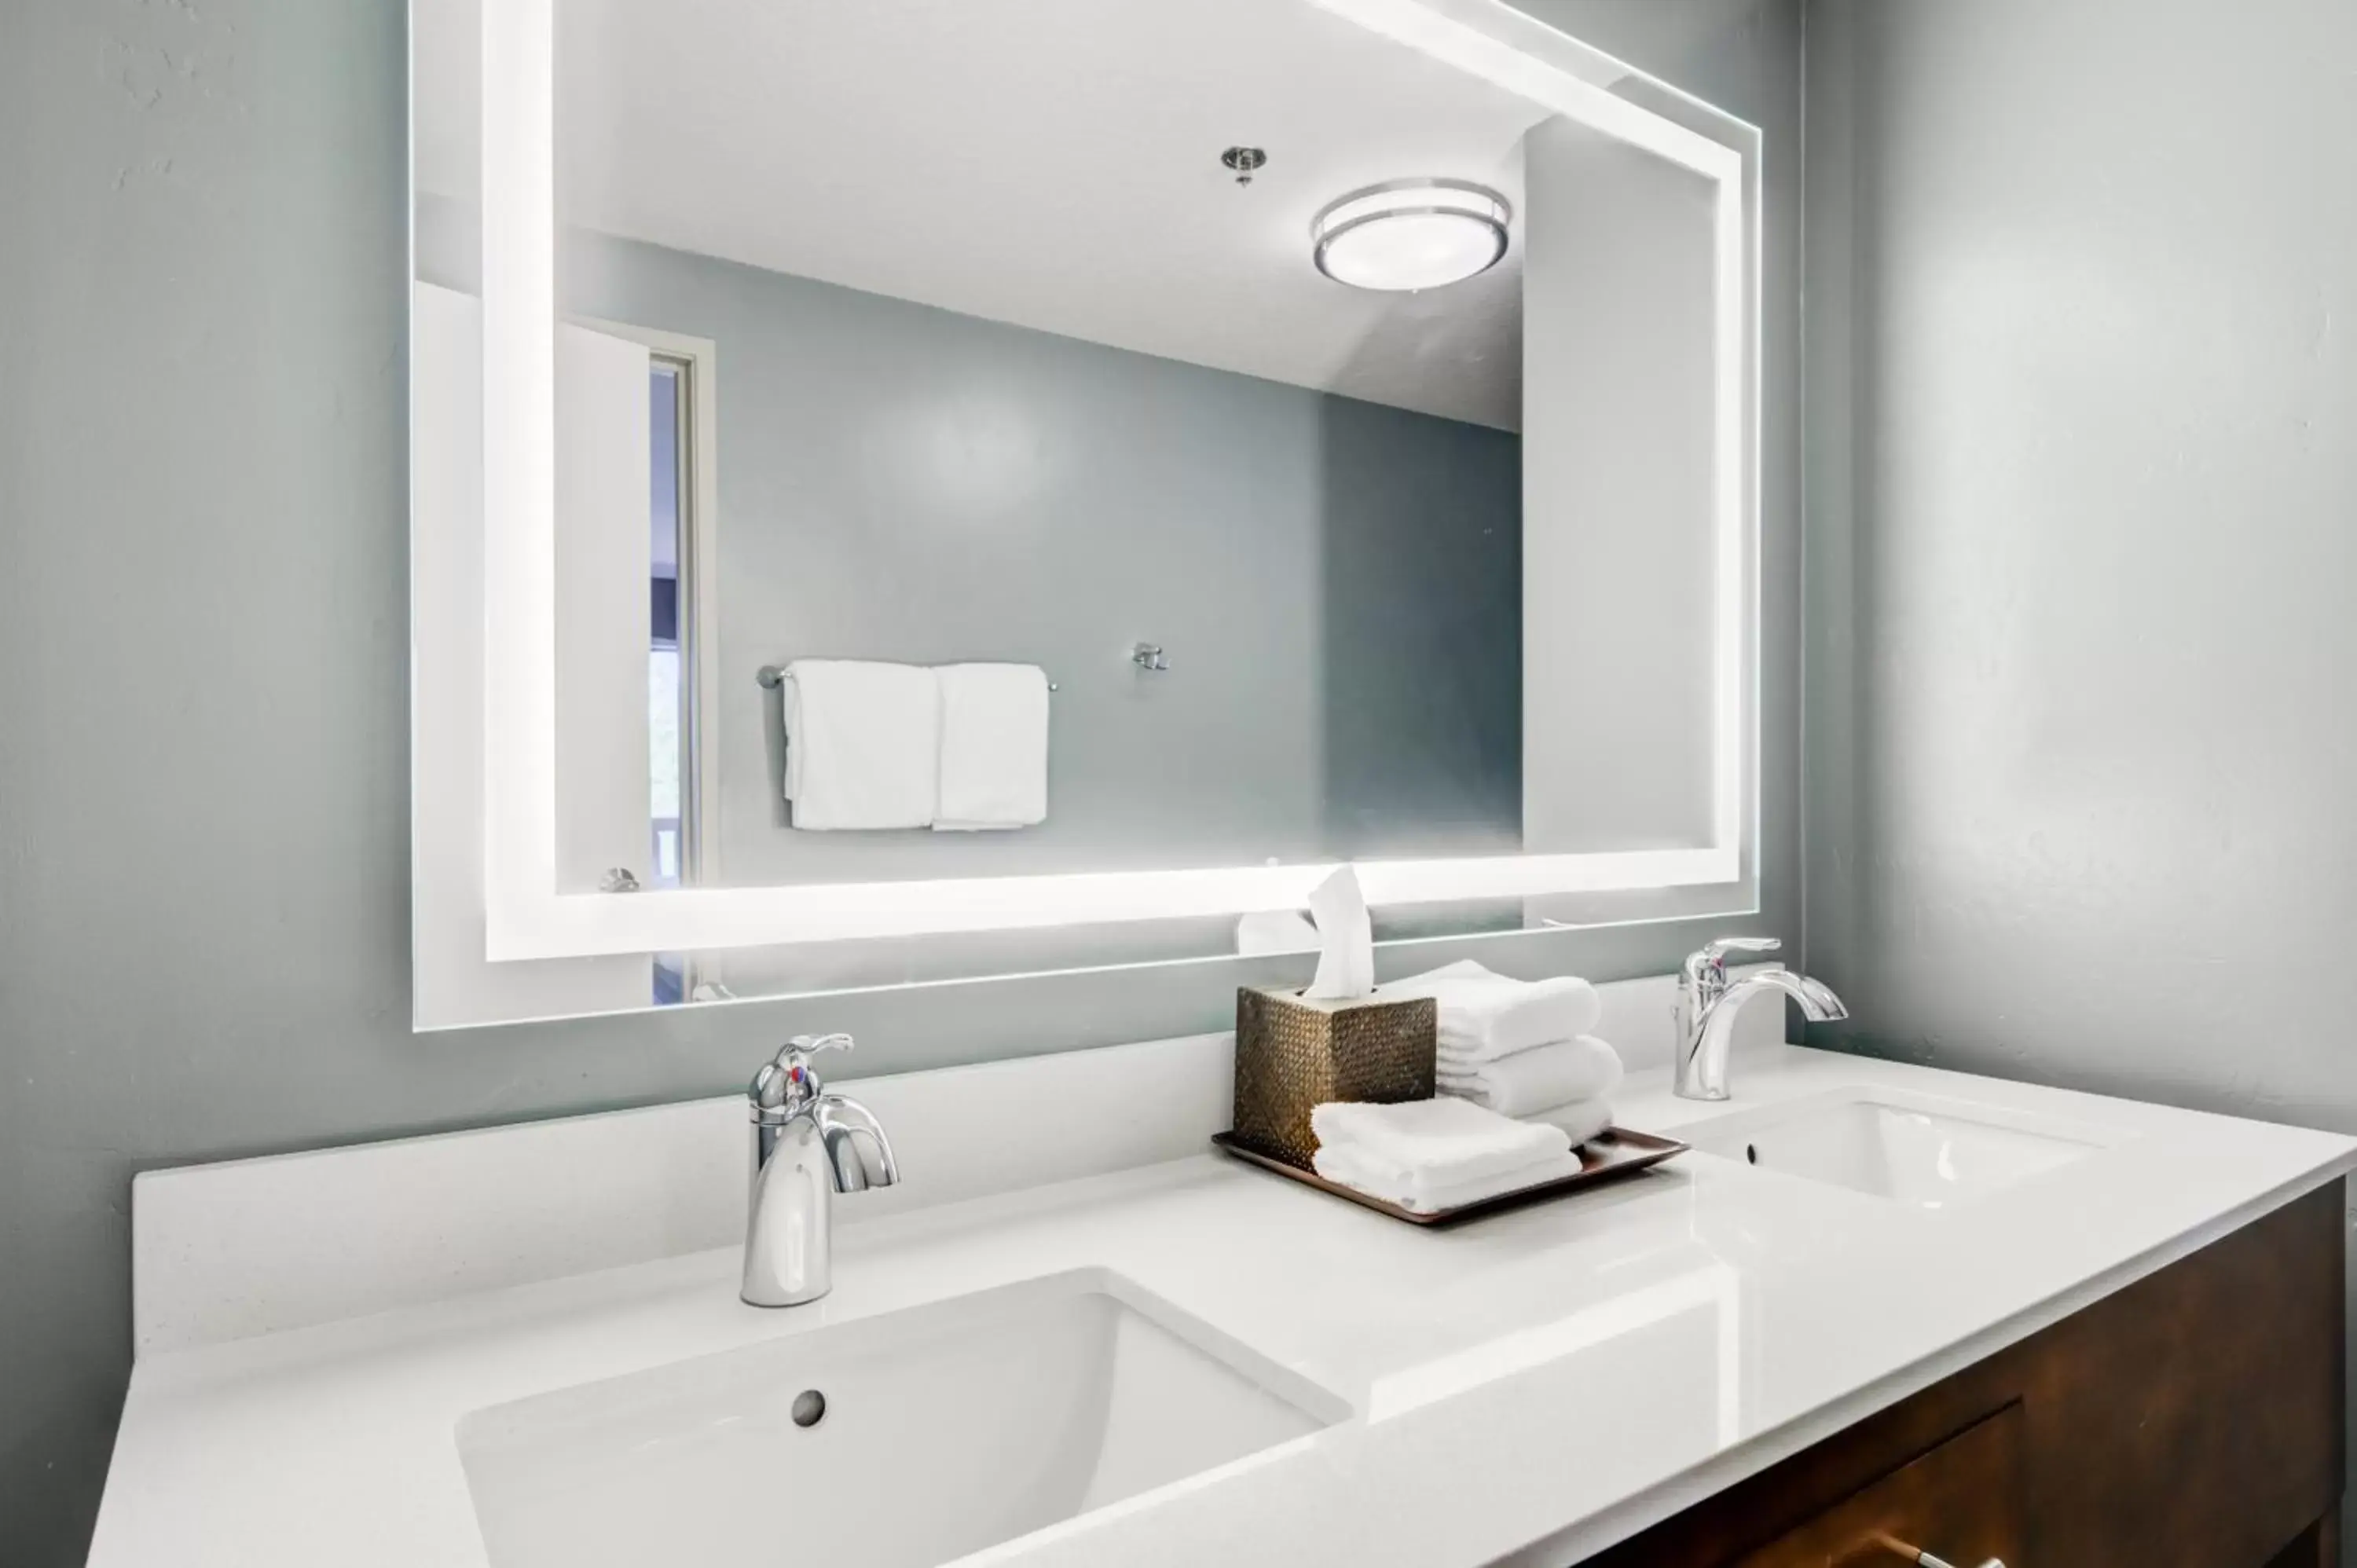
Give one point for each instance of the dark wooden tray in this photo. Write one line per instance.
(1614, 1153)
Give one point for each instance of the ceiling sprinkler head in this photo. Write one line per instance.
(1244, 161)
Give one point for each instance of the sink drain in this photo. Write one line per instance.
(810, 1408)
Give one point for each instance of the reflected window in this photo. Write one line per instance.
(671, 681)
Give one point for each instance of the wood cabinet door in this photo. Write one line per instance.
(1962, 1502)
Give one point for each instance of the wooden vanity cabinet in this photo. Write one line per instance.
(2192, 1419)
(1965, 1495)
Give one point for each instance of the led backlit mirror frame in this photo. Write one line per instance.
(528, 918)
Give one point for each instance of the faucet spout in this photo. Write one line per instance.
(1709, 1005)
(1817, 1000)
(857, 1149)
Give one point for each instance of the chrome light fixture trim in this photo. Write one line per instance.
(1364, 240)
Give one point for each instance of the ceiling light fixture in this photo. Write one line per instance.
(1411, 234)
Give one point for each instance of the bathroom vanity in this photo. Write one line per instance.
(1345, 420)
(2193, 1417)
(1987, 1319)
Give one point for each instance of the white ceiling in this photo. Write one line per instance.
(1050, 163)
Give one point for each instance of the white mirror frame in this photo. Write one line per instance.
(528, 918)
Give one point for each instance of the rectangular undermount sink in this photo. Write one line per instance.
(939, 1431)
(1920, 1150)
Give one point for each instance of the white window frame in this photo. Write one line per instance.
(698, 579)
(527, 918)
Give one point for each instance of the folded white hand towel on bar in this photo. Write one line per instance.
(1537, 1079)
(993, 747)
(1484, 1015)
(863, 744)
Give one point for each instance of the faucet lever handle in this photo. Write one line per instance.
(1716, 951)
(794, 1061)
(1704, 973)
(808, 1046)
(787, 1085)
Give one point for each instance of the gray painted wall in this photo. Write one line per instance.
(204, 751)
(2082, 532)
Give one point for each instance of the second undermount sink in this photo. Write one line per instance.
(1923, 1151)
(901, 1441)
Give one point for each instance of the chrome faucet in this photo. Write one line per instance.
(1707, 1005)
(808, 1146)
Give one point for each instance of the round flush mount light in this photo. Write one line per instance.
(1411, 234)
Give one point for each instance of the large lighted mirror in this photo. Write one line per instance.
(907, 488)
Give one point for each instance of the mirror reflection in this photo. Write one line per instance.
(998, 439)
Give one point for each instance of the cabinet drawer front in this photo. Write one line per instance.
(1961, 1501)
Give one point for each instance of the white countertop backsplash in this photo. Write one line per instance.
(1528, 1388)
(242, 1247)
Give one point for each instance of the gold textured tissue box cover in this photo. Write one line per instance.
(1294, 1054)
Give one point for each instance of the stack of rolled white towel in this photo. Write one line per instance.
(1433, 1154)
(1520, 1047)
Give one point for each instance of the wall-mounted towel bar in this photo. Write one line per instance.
(770, 675)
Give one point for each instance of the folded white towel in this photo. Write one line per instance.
(863, 744)
(1350, 1167)
(1485, 1015)
(1581, 1120)
(1425, 1144)
(993, 747)
(1534, 1079)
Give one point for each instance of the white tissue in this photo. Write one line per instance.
(1346, 939)
(1275, 932)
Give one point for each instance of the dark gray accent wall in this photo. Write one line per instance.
(204, 863)
(2082, 540)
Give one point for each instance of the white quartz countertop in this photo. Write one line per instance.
(1528, 1388)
